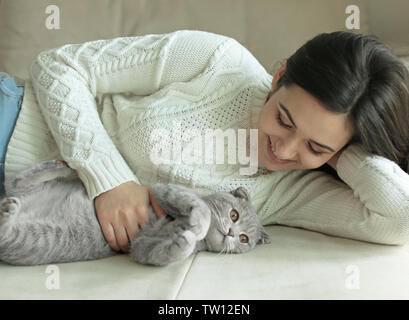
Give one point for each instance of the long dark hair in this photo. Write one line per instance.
(357, 75)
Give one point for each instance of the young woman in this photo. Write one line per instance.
(341, 101)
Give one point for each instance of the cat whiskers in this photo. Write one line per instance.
(222, 251)
(231, 247)
(227, 249)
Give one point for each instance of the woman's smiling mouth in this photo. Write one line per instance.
(273, 155)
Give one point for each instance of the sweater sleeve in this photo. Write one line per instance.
(67, 81)
(370, 204)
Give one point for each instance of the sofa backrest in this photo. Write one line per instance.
(271, 30)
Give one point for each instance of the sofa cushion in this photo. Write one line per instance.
(297, 264)
(117, 277)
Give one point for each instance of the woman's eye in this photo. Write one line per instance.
(243, 238)
(313, 151)
(234, 215)
(281, 123)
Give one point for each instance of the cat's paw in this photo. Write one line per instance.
(55, 164)
(183, 246)
(51, 164)
(9, 206)
(199, 221)
(63, 168)
(61, 163)
(188, 236)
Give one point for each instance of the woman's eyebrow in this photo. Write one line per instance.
(287, 112)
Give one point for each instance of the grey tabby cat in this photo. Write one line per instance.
(48, 218)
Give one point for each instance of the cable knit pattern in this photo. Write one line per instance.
(96, 104)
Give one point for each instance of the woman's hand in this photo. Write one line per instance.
(122, 211)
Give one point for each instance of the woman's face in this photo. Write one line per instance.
(303, 134)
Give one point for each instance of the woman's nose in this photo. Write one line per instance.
(287, 150)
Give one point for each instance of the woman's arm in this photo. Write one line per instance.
(67, 80)
(372, 205)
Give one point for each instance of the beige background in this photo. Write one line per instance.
(271, 29)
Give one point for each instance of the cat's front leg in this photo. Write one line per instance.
(199, 221)
(176, 200)
(31, 178)
(183, 246)
(185, 204)
(161, 252)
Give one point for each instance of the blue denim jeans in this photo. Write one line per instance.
(11, 96)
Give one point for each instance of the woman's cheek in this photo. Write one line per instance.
(308, 162)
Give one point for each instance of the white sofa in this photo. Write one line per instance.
(298, 264)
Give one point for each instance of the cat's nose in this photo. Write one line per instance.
(230, 233)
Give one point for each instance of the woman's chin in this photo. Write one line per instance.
(269, 165)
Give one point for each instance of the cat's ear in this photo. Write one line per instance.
(240, 192)
(264, 238)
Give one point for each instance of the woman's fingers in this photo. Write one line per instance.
(121, 237)
(160, 213)
(109, 234)
(131, 226)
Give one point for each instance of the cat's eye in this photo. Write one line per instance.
(234, 215)
(243, 238)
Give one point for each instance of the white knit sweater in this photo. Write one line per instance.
(95, 104)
